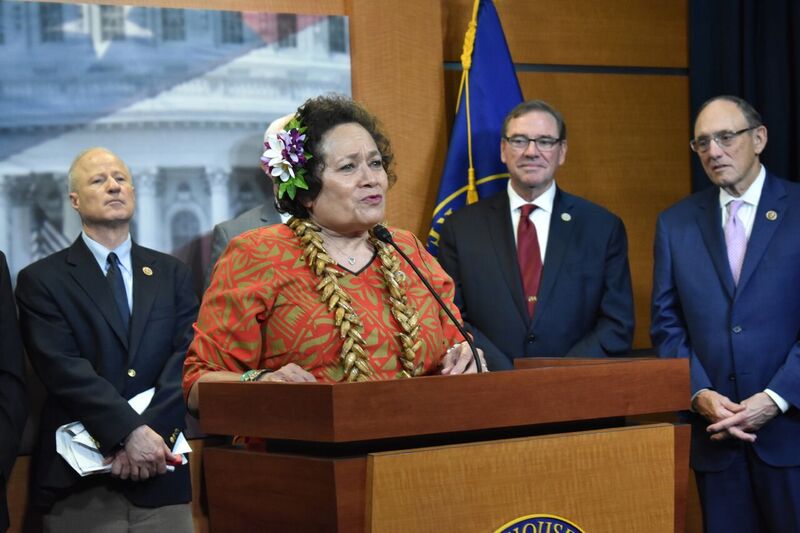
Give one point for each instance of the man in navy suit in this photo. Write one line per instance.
(13, 401)
(103, 321)
(725, 296)
(580, 302)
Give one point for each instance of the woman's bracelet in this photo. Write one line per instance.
(253, 375)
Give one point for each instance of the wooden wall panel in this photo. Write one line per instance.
(397, 74)
(641, 33)
(627, 151)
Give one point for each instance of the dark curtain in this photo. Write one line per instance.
(751, 49)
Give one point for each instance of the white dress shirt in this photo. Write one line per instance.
(540, 217)
(747, 212)
(123, 252)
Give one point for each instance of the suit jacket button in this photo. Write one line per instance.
(737, 329)
(732, 377)
(131, 373)
(531, 337)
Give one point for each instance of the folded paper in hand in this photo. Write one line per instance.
(80, 450)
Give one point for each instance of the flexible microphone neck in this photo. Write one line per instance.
(382, 234)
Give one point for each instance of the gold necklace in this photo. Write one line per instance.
(354, 357)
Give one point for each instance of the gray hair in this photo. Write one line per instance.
(537, 105)
(752, 116)
(72, 177)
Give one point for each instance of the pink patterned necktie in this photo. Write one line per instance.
(735, 239)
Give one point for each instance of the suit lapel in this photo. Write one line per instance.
(88, 275)
(773, 199)
(146, 278)
(557, 244)
(498, 220)
(709, 220)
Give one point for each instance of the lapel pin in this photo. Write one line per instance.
(772, 215)
(566, 217)
(147, 271)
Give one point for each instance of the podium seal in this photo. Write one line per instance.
(539, 523)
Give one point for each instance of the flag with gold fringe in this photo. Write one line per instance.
(489, 90)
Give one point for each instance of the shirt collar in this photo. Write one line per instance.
(543, 202)
(750, 196)
(100, 252)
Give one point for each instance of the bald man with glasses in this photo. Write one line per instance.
(725, 296)
(539, 272)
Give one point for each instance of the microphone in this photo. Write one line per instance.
(382, 234)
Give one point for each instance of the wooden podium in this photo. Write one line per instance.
(454, 453)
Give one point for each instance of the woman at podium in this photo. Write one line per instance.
(321, 298)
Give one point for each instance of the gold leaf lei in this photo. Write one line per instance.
(354, 357)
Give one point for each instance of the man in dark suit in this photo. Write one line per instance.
(539, 272)
(13, 401)
(725, 296)
(103, 321)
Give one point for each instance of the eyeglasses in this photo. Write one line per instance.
(724, 139)
(521, 142)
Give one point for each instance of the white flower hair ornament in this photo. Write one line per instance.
(284, 158)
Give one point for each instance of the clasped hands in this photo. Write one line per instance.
(458, 360)
(735, 420)
(144, 455)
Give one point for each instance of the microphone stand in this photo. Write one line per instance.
(382, 234)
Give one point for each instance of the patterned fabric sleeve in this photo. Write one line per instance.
(228, 331)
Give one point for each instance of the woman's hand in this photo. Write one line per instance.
(459, 360)
(290, 373)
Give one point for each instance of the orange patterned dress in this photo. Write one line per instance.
(262, 310)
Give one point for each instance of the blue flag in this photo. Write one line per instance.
(489, 90)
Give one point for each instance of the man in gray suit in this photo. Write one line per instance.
(262, 215)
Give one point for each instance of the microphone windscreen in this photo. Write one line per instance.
(382, 234)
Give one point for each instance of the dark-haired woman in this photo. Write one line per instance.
(320, 298)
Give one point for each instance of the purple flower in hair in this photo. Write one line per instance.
(285, 158)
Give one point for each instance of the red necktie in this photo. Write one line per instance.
(529, 257)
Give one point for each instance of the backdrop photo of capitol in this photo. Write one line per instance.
(182, 96)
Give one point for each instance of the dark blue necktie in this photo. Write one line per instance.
(114, 276)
